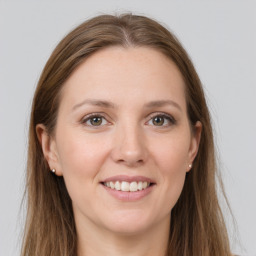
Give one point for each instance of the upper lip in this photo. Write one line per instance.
(128, 178)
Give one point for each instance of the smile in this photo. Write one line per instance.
(127, 186)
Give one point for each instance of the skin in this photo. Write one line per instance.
(128, 141)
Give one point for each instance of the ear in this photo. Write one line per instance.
(49, 148)
(194, 144)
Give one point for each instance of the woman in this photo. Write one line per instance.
(121, 154)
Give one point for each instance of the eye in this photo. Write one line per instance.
(94, 120)
(161, 120)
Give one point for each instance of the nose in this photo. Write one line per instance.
(129, 146)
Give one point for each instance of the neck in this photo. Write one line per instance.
(151, 242)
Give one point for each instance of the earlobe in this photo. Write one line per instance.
(49, 148)
(195, 141)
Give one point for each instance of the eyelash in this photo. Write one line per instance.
(171, 120)
(90, 117)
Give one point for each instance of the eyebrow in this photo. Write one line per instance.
(99, 103)
(162, 103)
(107, 104)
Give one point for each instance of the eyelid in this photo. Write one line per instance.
(91, 115)
(169, 117)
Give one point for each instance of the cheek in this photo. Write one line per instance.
(80, 160)
(81, 156)
(172, 154)
(173, 171)
(171, 160)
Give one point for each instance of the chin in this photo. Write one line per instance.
(128, 230)
(129, 223)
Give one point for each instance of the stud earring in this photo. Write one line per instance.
(53, 170)
(190, 166)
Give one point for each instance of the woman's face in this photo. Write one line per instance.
(123, 142)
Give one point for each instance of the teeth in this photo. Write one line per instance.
(144, 184)
(112, 185)
(133, 186)
(117, 186)
(140, 185)
(126, 186)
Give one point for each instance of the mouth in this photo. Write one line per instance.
(126, 186)
(123, 183)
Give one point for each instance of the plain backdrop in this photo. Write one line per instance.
(220, 37)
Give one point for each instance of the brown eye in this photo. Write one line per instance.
(158, 120)
(162, 120)
(96, 121)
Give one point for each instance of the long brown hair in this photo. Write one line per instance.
(197, 224)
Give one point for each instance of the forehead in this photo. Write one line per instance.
(125, 75)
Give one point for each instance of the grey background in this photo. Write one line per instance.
(220, 38)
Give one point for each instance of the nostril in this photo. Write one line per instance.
(129, 150)
(131, 162)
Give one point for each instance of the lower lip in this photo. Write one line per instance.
(129, 196)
